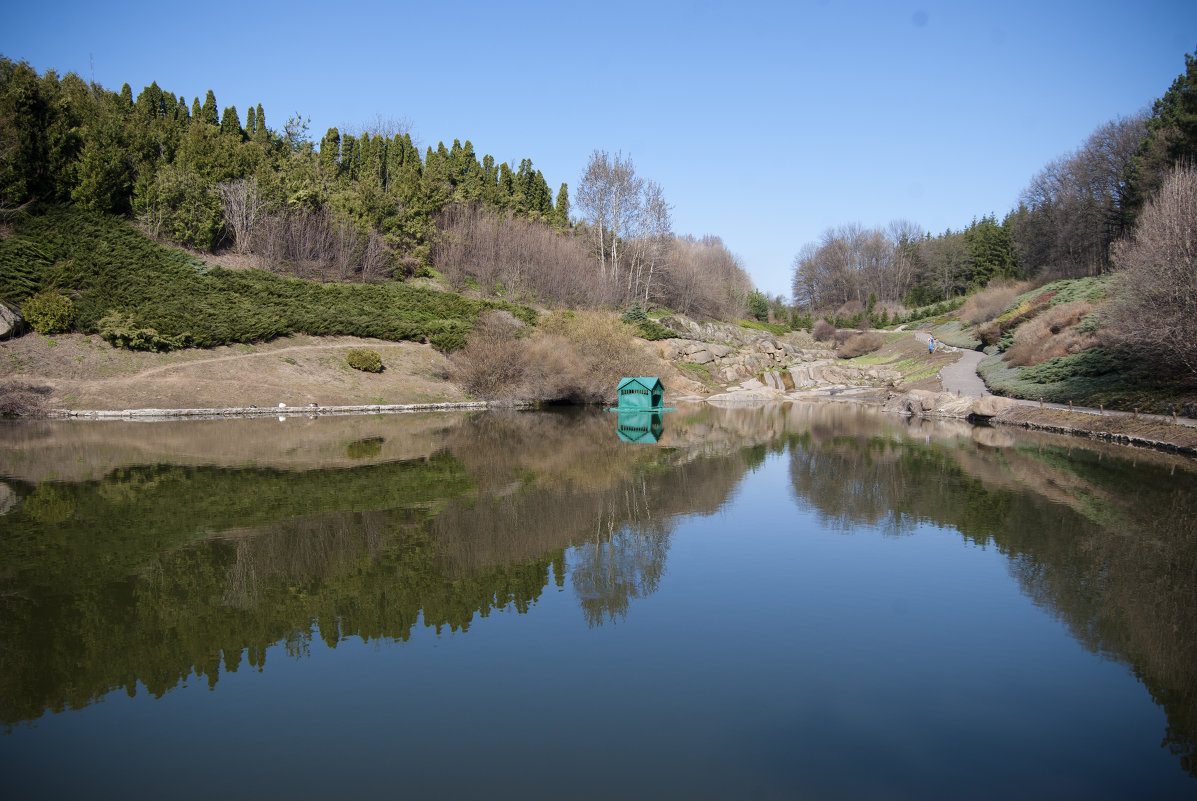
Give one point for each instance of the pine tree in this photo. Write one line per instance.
(126, 94)
(196, 111)
(251, 123)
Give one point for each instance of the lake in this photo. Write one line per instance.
(808, 600)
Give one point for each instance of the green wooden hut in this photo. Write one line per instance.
(641, 392)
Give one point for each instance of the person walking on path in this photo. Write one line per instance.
(930, 345)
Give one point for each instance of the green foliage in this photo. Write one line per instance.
(1099, 376)
(653, 331)
(758, 306)
(49, 312)
(116, 269)
(368, 361)
(635, 315)
(120, 332)
(22, 263)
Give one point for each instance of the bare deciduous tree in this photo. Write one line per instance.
(1155, 309)
(242, 205)
(1072, 211)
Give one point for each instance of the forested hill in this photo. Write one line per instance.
(360, 205)
(159, 158)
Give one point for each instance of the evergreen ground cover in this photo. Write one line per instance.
(1100, 377)
(108, 267)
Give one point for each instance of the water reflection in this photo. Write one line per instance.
(639, 426)
(141, 554)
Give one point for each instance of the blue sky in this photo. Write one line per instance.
(765, 123)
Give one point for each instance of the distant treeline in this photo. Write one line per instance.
(1067, 219)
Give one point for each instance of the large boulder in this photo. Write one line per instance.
(12, 324)
(991, 406)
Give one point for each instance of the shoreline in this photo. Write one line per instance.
(1155, 435)
(254, 411)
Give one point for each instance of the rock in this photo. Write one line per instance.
(11, 322)
(720, 351)
(701, 357)
(991, 405)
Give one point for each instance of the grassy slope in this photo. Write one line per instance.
(108, 266)
(1100, 376)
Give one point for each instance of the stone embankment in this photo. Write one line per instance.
(755, 365)
(254, 411)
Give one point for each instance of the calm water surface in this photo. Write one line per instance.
(808, 601)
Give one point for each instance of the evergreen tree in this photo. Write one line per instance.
(207, 112)
(251, 123)
(561, 209)
(1171, 140)
(349, 157)
(126, 94)
(197, 113)
(230, 123)
(330, 152)
(261, 133)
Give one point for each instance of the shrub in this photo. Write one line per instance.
(990, 302)
(860, 344)
(1053, 333)
(49, 312)
(652, 330)
(576, 357)
(635, 315)
(120, 332)
(22, 400)
(368, 361)
(823, 331)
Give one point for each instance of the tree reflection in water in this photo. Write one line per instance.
(155, 569)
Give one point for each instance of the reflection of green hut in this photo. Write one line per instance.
(640, 426)
(641, 393)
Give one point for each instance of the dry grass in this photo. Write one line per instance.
(991, 302)
(1053, 333)
(823, 331)
(859, 345)
(575, 357)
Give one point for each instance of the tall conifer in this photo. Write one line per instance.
(261, 134)
(208, 111)
(561, 210)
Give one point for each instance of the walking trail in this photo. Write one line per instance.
(960, 378)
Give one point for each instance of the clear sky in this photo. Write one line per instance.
(765, 123)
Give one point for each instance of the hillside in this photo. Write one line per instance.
(1054, 343)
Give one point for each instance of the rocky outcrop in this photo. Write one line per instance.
(746, 360)
(922, 403)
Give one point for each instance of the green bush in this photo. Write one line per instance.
(120, 332)
(368, 361)
(49, 312)
(635, 315)
(652, 330)
(111, 267)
